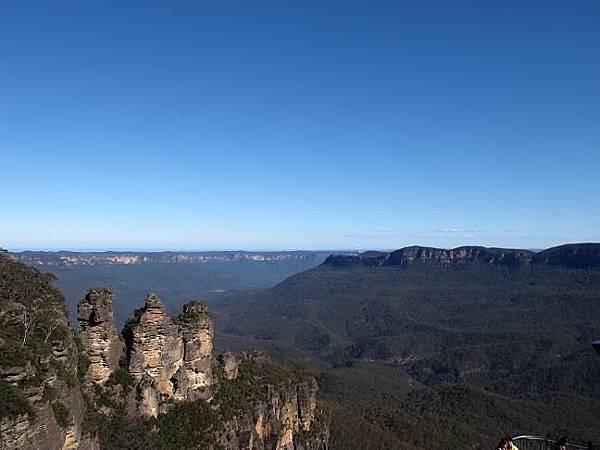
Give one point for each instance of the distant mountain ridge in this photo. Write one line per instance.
(426, 348)
(576, 256)
(67, 258)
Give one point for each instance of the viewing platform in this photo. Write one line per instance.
(527, 442)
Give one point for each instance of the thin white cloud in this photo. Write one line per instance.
(456, 231)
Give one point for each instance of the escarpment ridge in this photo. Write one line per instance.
(70, 259)
(576, 256)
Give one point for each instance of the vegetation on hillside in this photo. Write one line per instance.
(33, 328)
(195, 425)
(427, 356)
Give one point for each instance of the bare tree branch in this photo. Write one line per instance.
(49, 328)
(27, 321)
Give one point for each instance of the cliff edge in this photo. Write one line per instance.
(157, 384)
(573, 256)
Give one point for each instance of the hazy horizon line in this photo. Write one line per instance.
(255, 250)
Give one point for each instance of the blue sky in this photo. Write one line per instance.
(300, 124)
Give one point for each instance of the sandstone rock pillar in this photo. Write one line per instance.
(99, 334)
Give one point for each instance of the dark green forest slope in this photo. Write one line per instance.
(437, 355)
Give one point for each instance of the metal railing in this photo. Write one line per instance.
(541, 443)
(526, 442)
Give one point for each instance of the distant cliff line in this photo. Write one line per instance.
(575, 256)
(580, 255)
(67, 258)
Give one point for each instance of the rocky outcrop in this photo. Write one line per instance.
(155, 354)
(254, 403)
(99, 334)
(580, 256)
(194, 377)
(42, 430)
(61, 393)
(230, 365)
(285, 417)
(169, 359)
(459, 255)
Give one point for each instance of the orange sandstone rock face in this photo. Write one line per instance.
(197, 332)
(171, 357)
(156, 347)
(99, 334)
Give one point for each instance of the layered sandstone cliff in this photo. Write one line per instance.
(196, 329)
(578, 256)
(99, 334)
(169, 359)
(284, 415)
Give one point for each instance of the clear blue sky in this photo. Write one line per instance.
(299, 124)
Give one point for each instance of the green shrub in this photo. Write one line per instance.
(123, 377)
(50, 393)
(13, 402)
(83, 362)
(64, 374)
(61, 413)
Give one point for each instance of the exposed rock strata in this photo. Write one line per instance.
(197, 332)
(155, 352)
(99, 334)
(580, 256)
(285, 419)
(172, 357)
